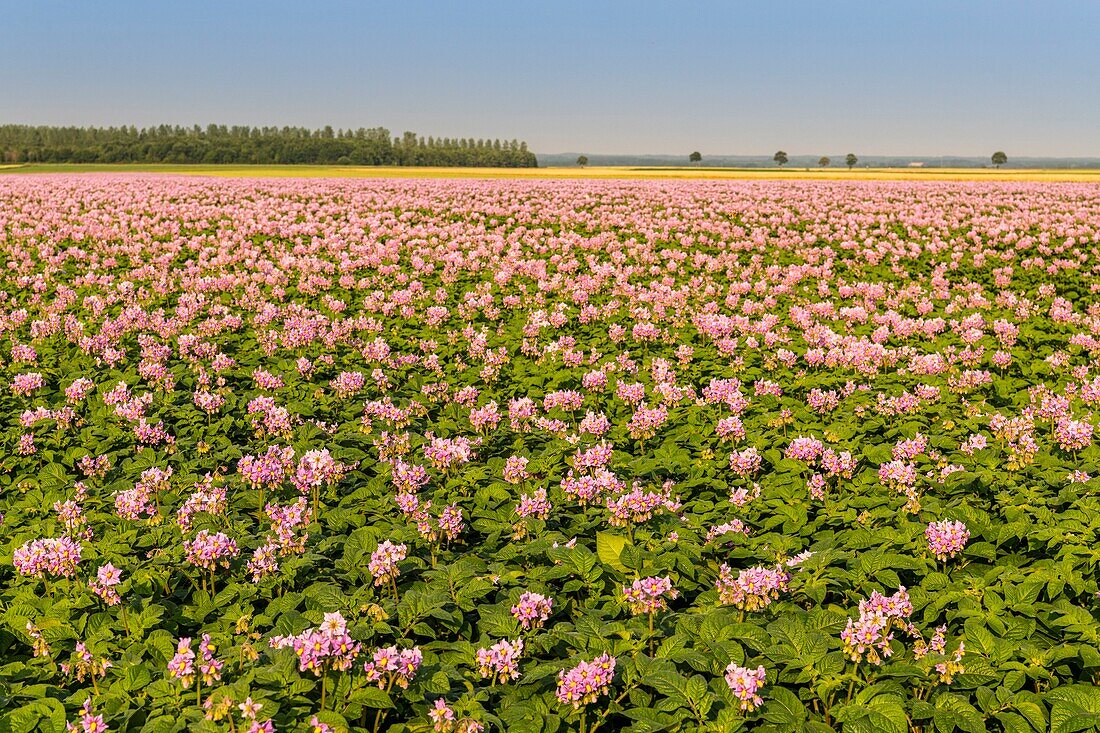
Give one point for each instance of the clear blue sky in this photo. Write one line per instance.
(922, 77)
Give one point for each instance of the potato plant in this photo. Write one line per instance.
(538, 456)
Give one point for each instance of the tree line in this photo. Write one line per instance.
(257, 145)
(780, 158)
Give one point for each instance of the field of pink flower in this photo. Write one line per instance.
(537, 456)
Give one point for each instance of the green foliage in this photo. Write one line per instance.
(1020, 597)
(253, 145)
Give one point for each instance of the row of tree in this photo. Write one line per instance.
(780, 158)
(850, 160)
(261, 145)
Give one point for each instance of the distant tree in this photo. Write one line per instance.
(824, 161)
(242, 144)
(695, 157)
(780, 158)
(851, 160)
(999, 158)
(582, 160)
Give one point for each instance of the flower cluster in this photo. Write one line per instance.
(89, 721)
(383, 562)
(210, 549)
(753, 589)
(207, 498)
(872, 633)
(649, 595)
(326, 647)
(745, 684)
(27, 384)
(532, 610)
(446, 453)
(515, 469)
(103, 585)
(586, 682)
(54, 556)
(409, 477)
(317, 468)
(646, 421)
(501, 660)
(85, 665)
(95, 466)
(536, 505)
(72, 517)
(949, 668)
(734, 526)
(746, 463)
(391, 666)
(38, 644)
(444, 720)
(946, 538)
(588, 488)
(143, 499)
(638, 505)
(348, 383)
(79, 389)
(182, 665)
(268, 469)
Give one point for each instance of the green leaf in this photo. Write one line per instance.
(953, 711)
(1013, 723)
(54, 478)
(609, 548)
(881, 714)
(784, 708)
(372, 697)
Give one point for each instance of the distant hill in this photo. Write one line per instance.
(810, 161)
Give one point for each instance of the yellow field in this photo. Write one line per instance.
(314, 171)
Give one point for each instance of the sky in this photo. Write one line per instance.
(888, 77)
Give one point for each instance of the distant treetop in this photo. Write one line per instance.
(999, 158)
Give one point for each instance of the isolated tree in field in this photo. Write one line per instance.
(582, 160)
(695, 157)
(780, 158)
(824, 161)
(999, 158)
(851, 160)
